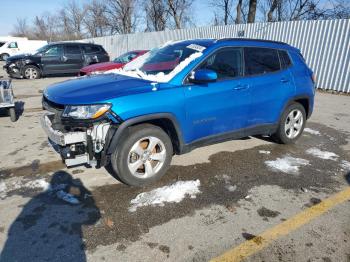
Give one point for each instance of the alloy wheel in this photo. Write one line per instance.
(293, 123)
(146, 157)
(31, 73)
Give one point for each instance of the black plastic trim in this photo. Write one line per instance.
(266, 129)
(114, 138)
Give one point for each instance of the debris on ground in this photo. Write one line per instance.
(266, 152)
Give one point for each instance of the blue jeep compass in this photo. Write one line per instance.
(175, 98)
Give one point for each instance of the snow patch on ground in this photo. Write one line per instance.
(266, 152)
(312, 131)
(174, 193)
(37, 184)
(344, 164)
(322, 154)
(287, 164)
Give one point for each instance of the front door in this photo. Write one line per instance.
(73, 58)
(52, 60)
(222, 106)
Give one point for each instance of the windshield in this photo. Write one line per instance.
(162, 64)
(125, 58)
(42, 49)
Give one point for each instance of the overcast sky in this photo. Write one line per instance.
(11, 10)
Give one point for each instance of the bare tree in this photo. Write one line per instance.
(95, 19)
(223, 9)
(72, 18)
(273, 6)
(21, 28)
(156, 15)
(252, 11)
(121, 16)
(179, 11)
(45, 27)
(239, 12)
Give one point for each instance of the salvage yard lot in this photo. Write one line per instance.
(210, 201)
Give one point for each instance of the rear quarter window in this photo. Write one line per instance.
(73, 50)
(91, 49)
(260, 60)
(284, 58)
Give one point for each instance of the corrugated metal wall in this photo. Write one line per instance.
(325, 44)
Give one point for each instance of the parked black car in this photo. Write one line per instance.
(55, 58)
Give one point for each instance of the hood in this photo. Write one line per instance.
(19, 57)
(95, 89)
(101, 67)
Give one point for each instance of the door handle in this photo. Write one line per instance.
(284, 80)
(64, 58)
(240, 87)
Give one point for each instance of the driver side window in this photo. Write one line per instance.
(226, 62)
(54, 51)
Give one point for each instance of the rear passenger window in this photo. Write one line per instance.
(260, 60)
(91, 49)
(284, 58)
(227, 63)
(73, 50)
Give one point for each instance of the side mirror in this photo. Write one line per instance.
(203, 76)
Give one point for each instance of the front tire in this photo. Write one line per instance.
(31, 72)
(13, 115)
(291, 124)
(142, 156)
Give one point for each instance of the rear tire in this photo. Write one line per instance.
(13, 115)
(142, 156)
(291, 124)
(31, 72)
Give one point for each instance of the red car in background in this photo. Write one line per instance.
(115, 64)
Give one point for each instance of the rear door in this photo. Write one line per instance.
(271, 85)
(222, 106)
(73, 58)
(52, 61)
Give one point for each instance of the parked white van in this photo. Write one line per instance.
(22, 46)
(5, 39)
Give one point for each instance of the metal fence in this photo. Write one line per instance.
(325, 44)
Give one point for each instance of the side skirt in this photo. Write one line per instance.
(241, 133)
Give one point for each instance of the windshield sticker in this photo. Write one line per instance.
(198, 48)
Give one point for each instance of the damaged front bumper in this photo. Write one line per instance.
(13, 70)
(77, 147)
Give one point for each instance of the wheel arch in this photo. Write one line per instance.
(166, 121)
(304, 100)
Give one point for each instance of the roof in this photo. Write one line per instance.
(71, 43)
(248, 41)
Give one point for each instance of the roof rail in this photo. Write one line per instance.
(249, 39)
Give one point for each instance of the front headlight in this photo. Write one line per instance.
(86, 112)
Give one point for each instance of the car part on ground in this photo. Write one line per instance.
(7, 99)
(209, 91)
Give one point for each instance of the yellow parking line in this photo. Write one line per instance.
(258, 243)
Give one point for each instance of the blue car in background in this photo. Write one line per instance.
(175, 98)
